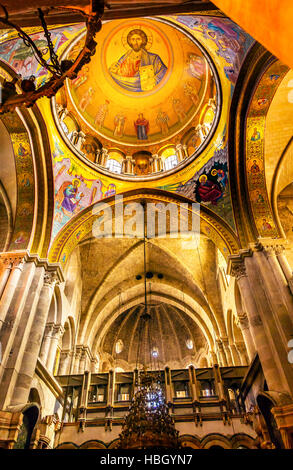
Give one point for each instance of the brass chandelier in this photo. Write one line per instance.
(60, 71)
(148, 423)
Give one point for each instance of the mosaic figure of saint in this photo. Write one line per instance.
(256, 135)
(101, 114)
(179, 110)
(142, 127)
(86, 99)
(191, 92)
(207, 190)
(162, 121)
(138, 70)
(68, 197)
(119, 123)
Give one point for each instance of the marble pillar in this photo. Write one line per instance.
(221, 353)
(14, 348)
(266, 312)
(128, 165)
(227, 350)
(179, 152)
(65, 361)
(246, 333)
(46, 342)
(56, 333)
(31, 353)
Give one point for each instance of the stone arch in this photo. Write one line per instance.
(246, 150)
(242, 440)
(187, 440)
(67, 445)
(93, 444)
(34, 177)
(215, 440)
(211, 225)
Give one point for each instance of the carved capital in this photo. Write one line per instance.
(58, 331)
(242, 321)
(50, 279)
(10, 260)
(49, 329)
(238, 270)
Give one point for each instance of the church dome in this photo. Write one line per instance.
(146, 104)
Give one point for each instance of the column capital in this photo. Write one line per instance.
(242, 320)
(13, 260)
(268, 244)
(49, 329)
(50, 278)
(58, 330)
(236, 268)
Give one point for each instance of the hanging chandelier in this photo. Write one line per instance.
(148, 423)
(59, 70)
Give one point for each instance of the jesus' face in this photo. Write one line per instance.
(135, 41)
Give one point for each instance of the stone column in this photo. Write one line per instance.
(64, 365)
(200, 132)
(285, 266)
(29, 361)
(7, 268)
(74, 137)
(227, 350)
(15, 332)
(266, 334)
(56, 334)
(12, 305)
(213, 357)
(62, 113)
(111, 388)
(156, 163)
(103, 157)
(242, 353)
(46, 342)
(179, 152)
(82, 362)
(80, 138)
(185, 151)
(235, 355)
(246, 333)
(76, 360)
(218, 382)
(128, 165)
(16, 265)
(222, 354)
(94, 366)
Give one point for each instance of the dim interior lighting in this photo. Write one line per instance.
(189, 343)
(148, 423)
(155, 352)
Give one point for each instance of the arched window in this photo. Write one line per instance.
(171, 162)
(113, 165)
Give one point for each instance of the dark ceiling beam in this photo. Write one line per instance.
(25, 15)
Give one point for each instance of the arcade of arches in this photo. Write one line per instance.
(186, 114)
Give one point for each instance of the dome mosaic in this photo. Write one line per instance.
(146, 104)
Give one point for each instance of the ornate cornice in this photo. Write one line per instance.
(18, 257)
